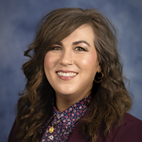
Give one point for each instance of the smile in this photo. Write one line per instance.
(68, 74)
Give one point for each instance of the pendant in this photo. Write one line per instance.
(51, 129)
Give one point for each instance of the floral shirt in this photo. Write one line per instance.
(62, 124)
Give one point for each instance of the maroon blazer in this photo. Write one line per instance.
(130, 130)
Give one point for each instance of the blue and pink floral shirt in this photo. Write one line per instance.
(64, 122)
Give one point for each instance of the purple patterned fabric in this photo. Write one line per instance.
(64, 122)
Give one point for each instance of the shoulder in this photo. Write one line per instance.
(131, 123)
(14, 130)
(130, 129)
(129, 118)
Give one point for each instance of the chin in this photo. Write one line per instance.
(67, 93)
(65, 89)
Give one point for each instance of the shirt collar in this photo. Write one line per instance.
(71, 115)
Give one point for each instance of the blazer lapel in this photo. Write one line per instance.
(78, 135)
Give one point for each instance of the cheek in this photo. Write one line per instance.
(49, 61)
(90, 61)
(46, 62)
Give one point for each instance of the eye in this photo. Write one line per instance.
(79, 49)
(56, 48)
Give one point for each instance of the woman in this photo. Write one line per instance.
(75, 90)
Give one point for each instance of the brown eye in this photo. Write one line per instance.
(79, 49)
(56, 48)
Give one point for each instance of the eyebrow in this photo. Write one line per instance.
(75, 43)
(81, 41)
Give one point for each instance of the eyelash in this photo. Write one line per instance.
(55, 48)
(59, 48)
(82, 49)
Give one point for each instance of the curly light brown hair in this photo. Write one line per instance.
(109, 99)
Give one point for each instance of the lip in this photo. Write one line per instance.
(65, 71)
(66, 78)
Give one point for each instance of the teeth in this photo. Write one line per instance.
(66, 74)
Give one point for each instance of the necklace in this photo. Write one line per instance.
(51, 129)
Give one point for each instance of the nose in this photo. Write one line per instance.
(66, 58)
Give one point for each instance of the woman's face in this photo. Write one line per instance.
(71, 65)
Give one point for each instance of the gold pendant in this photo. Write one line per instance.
(51, 129)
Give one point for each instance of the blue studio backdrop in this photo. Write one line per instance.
(18, 22)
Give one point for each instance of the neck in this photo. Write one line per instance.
(63, 102)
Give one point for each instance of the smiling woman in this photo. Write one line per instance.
(72, 65)
(75, 89)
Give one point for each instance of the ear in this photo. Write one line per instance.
(99, 69)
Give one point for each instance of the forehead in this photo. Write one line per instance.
(84, 32)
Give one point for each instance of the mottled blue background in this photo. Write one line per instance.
(18, 22)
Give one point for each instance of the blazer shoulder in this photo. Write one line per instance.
(130, 118)
(129, 130)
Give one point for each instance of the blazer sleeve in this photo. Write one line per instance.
(12, 135)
